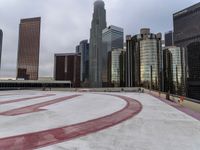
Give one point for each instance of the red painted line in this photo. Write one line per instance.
(35, 107)
(24, 99)
(53, 136)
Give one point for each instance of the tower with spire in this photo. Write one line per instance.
(95, 49)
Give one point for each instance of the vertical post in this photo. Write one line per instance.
(151, 76)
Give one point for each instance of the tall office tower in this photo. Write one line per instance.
(112, 38)
(95, 50)
(1, 41)
(67, 67)
(169, 38)
(187, 36)
(167, 71)
(173, 68)
(84, 51)
(144, 60)
(132, 63)
(28, 49)
(77, 49)
(116, 68)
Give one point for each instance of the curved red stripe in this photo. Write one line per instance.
(57, 135)
(35, 107)
(24, 99)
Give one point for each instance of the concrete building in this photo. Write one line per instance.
(67, 68)
(169, 41)
(84, 51)
(95, 50)
(32, 84)
(144, 60)
(187, 36)
(1, 41)
(28, 49)
(116, 68)
(112, 38)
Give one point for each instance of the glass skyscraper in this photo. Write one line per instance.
(187, 36)
(28, 49)
(112, 38)
(95, 49)
(132, 63)
(116, 68)
(144, 60)
(84, 51)
(167, 71)
(173, 68)
(78, 49)
(1, 41)
(169, 38)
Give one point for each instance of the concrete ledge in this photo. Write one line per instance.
(187, 102)
(120, 89)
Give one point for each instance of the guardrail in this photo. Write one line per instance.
(119, 89)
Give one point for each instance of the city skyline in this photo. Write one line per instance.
(63, 27)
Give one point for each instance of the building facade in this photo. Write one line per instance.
(169, 38)
(84, 51)
(1, 41)
(187, 36)
(116, 68)
(132, 63)
(167, 71)
(112, 38)
(78, 49)
(28, 49)
(95, 49)
(67, 68)
(144, 60)
(173, 68)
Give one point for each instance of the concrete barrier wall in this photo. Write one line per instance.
(187, 102)
(121, 89)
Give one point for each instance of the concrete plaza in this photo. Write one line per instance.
(53, 120)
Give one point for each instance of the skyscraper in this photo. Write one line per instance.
(84, 51)
(28, 49)
(144, 60)
(116, 68)
(112, 38)
(77, 49)
(67, 67)
(187, 36)
(95, 49)
(1, 40)
(132, 63)
(169, 38)
(173, 68)
(167, 71)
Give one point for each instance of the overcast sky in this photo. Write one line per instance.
(64, 23)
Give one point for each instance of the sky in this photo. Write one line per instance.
(64, 23)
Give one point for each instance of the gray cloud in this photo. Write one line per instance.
(66, 22)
